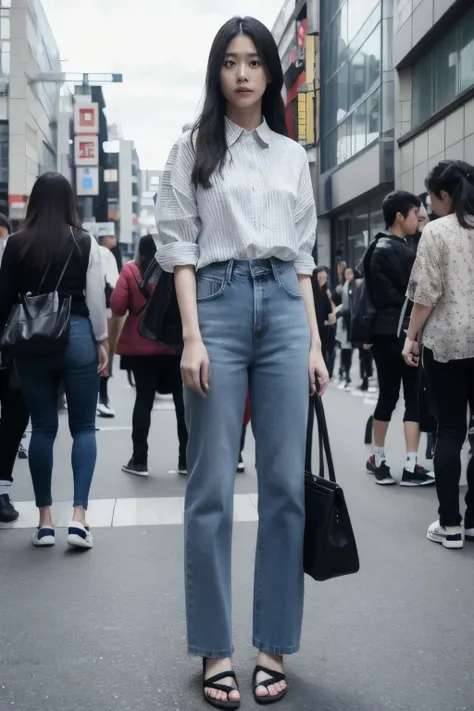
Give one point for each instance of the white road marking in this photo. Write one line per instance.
(118, 513)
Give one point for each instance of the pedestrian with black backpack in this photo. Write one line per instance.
(378, 312)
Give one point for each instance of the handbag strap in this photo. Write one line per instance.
(64, 268)
(144, 293)
(324, 444)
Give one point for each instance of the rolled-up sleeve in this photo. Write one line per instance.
(426, 284)
(306, 222)
(177, 216)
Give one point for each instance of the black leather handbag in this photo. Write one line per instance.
(38, 324)
(161, 320)
(330, 548)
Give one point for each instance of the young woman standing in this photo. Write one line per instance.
(236, 221)
(442, 321)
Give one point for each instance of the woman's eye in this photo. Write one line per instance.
(255, 63)
(229, 63)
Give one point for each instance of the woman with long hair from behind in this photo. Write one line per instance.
(52, 253)
(237, 225)
(440, 337)
(151, 363)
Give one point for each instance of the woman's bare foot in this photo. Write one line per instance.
(217, 666)
(274, 662)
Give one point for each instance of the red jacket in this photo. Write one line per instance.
(127, 297)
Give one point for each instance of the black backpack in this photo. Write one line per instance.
(363, 310)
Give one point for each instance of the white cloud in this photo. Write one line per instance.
(160, 46)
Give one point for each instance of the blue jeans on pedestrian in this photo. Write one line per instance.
(40, 377)
(254, 326)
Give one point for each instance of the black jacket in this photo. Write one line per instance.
(390, 269)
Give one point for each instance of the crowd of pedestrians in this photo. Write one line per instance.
(262, 330)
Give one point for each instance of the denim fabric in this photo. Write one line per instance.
(253, 323)
(40, 378)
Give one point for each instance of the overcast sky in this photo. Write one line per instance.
(160, 46)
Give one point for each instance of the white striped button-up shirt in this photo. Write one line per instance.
(260, 205)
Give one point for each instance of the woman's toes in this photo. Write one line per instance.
(261, 691)
(234, 696)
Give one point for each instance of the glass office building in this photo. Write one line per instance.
(434, 57)
(357, 121)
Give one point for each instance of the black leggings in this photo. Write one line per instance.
(392, 371)
(13, 422)
(451, 384)
(147, 371)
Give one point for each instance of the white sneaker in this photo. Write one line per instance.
(449, 536)
(104, 410)
(79, 536)
(44, 537)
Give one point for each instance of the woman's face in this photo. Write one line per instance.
(322, 278)
(349, 275)
(243, 77)
(441, 206)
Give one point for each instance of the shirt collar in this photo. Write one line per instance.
(234, 132)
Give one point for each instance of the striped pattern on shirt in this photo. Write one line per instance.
(260, 205)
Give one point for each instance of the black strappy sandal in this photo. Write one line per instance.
(213, 683)
(275, 678)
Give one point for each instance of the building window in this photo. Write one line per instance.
(351, 76)
(445, 71)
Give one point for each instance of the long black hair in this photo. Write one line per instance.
(211, 146)
(51, 211)
(456, 178)
(145, 253)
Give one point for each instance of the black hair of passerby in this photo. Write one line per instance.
(5, 222)
(398, 201)
(209, 131)
(51, 210)
(145, 253)
(456, 178)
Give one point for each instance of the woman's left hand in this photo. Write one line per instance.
(411, 352)
(317, 370)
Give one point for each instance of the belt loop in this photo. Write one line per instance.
(276, 273)
(229, 271)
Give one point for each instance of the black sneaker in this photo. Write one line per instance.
(22, 452)
(8, 513)
(136, 468)
(182, 465)
(240, 465)
(420, 477)
(382, 473)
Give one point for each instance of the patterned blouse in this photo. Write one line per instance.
(443, 278)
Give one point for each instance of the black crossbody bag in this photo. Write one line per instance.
(39, 323)
(330, 548)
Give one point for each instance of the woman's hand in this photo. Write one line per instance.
(411, 352)
(103, 359)
(195, 369)
(317, 370)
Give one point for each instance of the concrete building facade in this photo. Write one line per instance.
(434, 56)
(32, 105)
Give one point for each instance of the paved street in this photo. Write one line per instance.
(105, 630)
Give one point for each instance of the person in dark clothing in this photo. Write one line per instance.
(14, 414)
(324, 306)
(389, 273)
(51, 253)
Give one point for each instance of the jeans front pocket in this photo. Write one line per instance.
(210, 284)
(289, 280)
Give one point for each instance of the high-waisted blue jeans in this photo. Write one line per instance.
(254, 326)
(40, 378)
